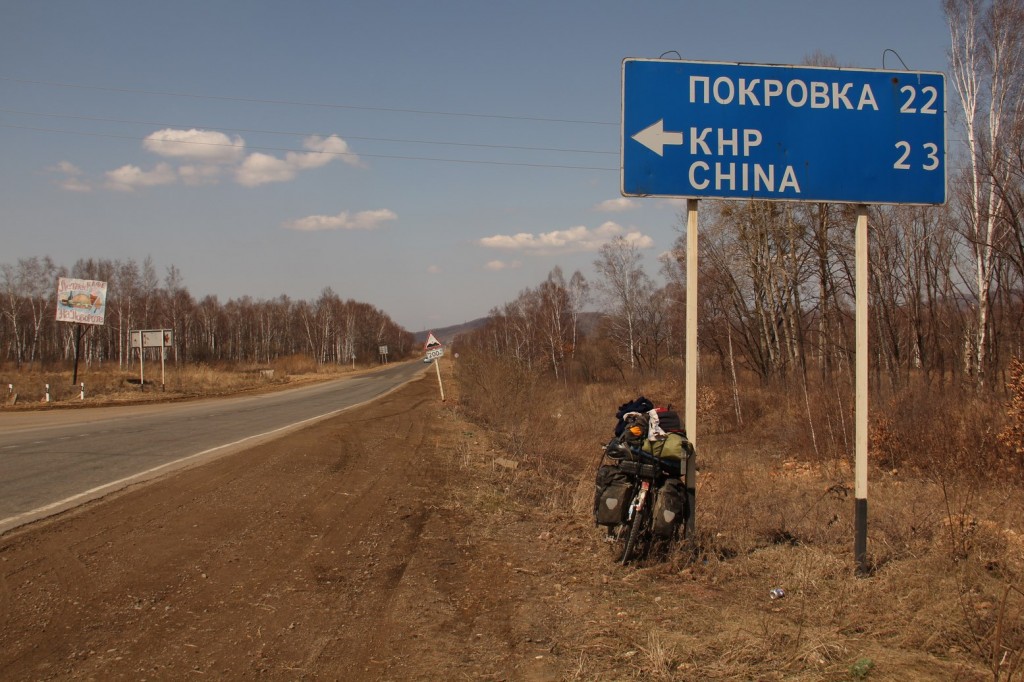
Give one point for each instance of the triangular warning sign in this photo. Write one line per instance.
(432, 342)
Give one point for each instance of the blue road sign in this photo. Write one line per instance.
(748, 131)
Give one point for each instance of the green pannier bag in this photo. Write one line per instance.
(673, 447)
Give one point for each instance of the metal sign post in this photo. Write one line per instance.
(437, 366)
(691, 365)
(783, 133)
(860, 475)
(434, 352)
(163, 360)
(82, 301)
(152, 338)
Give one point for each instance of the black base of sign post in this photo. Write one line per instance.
(860, 535)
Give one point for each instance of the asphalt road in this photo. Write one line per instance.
(51, 461)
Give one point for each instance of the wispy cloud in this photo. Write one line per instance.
(128, 177)
(72, 177)
(363, 220)
(616, 205)
(573, 240)
(211, 146)
(207, 156)
(259, 168)
(499, 265)
(202, 174)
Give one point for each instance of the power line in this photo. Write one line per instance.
(300, 134)
(321, 105)
(308, 151)
(311, 151)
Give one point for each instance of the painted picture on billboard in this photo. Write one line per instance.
(81, 300)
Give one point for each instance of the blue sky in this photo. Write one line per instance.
(433, 159)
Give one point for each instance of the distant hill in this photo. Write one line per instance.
(447, 334)
(588, 322)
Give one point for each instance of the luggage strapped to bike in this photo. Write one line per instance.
(636, 462)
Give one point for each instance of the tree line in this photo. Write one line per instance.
(243, 330)
(777, 279)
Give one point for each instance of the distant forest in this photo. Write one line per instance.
(243, 330)
(776, 280)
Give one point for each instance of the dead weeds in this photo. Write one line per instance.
(943, 600)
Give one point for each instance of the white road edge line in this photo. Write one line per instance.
(13, 522)
(143, 474)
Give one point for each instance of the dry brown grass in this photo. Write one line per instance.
(107, 384)
(944, 598)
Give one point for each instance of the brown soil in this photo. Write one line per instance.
(330, 554)
(393, 542)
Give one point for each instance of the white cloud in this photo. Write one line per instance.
(616, 205)
(66, 167)
(204, 145)
(364, 220)
(72, 180)
(129, 177)
(74, 185)
(641, 240)
(208, 155)
(325, 149)
(498, 265)
(573, 240)
(199, 175)
(259, 169)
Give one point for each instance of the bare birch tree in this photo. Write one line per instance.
(624, 285)
(986, 62)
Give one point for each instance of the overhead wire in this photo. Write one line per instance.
(322, 105)
(42, 129)
(235, 129)
(369, 155)
(308, 151)
(327, 105)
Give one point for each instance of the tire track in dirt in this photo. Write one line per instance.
(337, 552)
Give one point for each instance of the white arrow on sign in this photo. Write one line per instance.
(655, 137)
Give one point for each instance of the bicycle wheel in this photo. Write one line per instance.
(633, 533)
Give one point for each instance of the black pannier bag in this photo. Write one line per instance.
(669, 421)
(612, 492)
(669, 505)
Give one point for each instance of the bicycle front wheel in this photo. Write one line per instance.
(633, 534)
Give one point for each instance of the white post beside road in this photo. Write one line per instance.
(691, 365)
(860, 540)
(163, 346)
(437, 366)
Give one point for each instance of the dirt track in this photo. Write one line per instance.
(339, 552)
